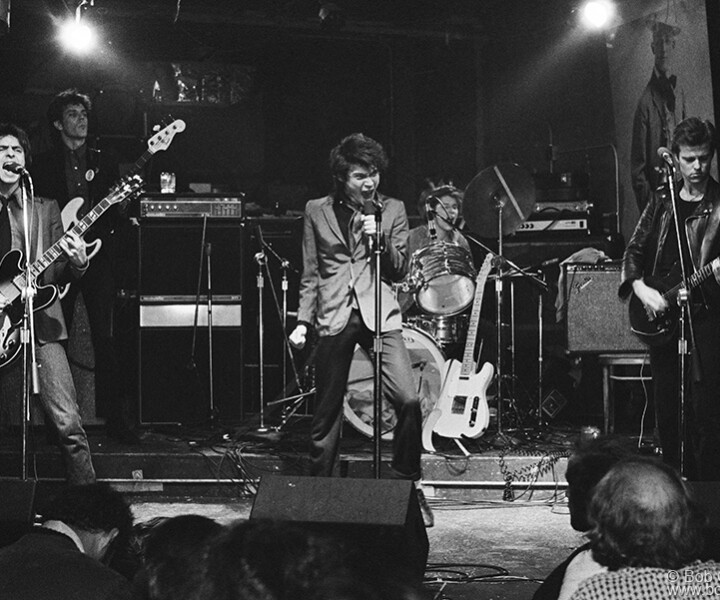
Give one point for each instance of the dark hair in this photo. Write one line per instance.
(693, 132)
(22, 137)
(175, 556)
(60, 102)
(92, 507)
(356, 149)
(587, 465)
(642, 515)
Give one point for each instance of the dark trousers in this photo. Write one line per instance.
(702, 396)
(332, 365)
(98, 289)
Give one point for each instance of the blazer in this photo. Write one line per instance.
(339, 276)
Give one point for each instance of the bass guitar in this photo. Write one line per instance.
(656, 329)
(13, 275)
(463, 404)
(70, 212)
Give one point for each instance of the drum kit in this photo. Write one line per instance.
(441, 279)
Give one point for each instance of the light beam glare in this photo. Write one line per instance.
(597, 14)
(77, 37)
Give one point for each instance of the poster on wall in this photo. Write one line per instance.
(660, 74)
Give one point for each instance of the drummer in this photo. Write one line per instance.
(442, 208)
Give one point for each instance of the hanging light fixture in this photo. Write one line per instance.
(77, 35)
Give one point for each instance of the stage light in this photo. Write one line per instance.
(597, 14)
(78, 35)
(331, 16)
(4, 17)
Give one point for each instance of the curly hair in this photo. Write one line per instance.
(642, 515)
(693, 132)
(22, 137)
(356, 149)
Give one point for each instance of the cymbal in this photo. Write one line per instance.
(506, 186)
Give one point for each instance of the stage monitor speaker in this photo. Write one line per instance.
(17, 498)
(170, 253)
(378, 519)
(597, 320)
(174, 389)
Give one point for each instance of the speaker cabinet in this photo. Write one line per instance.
(597, 320)
(175, 389)
(379, 518)
(170, 257)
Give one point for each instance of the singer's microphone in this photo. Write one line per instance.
(369, 206)
(665, 155)
(13, 167)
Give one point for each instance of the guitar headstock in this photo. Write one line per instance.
(162, 139)
(125, 189)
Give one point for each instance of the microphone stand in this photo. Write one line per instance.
(31, 378)
(683, 300)
(261, 260)
(377, 343)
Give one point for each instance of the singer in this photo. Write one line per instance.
(653, 251)
(337, 298)
(57, 391)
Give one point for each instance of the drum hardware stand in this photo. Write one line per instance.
(297, 399)
(205, 256)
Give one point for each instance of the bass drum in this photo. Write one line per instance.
(427, 363)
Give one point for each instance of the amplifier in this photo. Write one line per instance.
(169, 206)
(536, 226)
(597, 320)
(550, 208)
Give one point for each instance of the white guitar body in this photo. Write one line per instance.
(464, 399)
(69, 217)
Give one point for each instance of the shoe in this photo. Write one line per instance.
(425, 510)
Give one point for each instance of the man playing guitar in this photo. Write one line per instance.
(652, 254)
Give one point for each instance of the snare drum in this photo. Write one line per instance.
(444, 330)
(444, 278)
(427, 363)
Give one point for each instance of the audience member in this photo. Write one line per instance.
(64, 558)
(586, 466)
(647, 531)
(174, 558)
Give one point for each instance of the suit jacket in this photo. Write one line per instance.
(48, 173)
(46, 230)
(338, 275)
(47, 564)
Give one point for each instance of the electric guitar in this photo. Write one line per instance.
(160, 141)
(463, 403)
(13, 276)
(655, 329)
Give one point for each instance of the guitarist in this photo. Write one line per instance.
(57, 391)
(72, 169)
(653, 251)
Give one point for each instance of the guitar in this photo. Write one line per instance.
(463, 404)
(655, 329)
(13, 276)
(160, 141)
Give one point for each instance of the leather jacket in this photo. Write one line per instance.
(644, 250)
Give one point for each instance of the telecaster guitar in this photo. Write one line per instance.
(463, 402)
(160, 141)
(13, 276)
(656, 329)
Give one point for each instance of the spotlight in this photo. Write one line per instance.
(331, 16)
(597, 14)
(77, 35)
(4, 17)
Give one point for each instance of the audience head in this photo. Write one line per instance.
(175, 553)
(587, 465)
(99, 515)
(642, 515)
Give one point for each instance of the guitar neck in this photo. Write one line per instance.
(694, 280)
(141, 162)
(468, 363)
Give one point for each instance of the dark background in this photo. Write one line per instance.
(449, 87)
